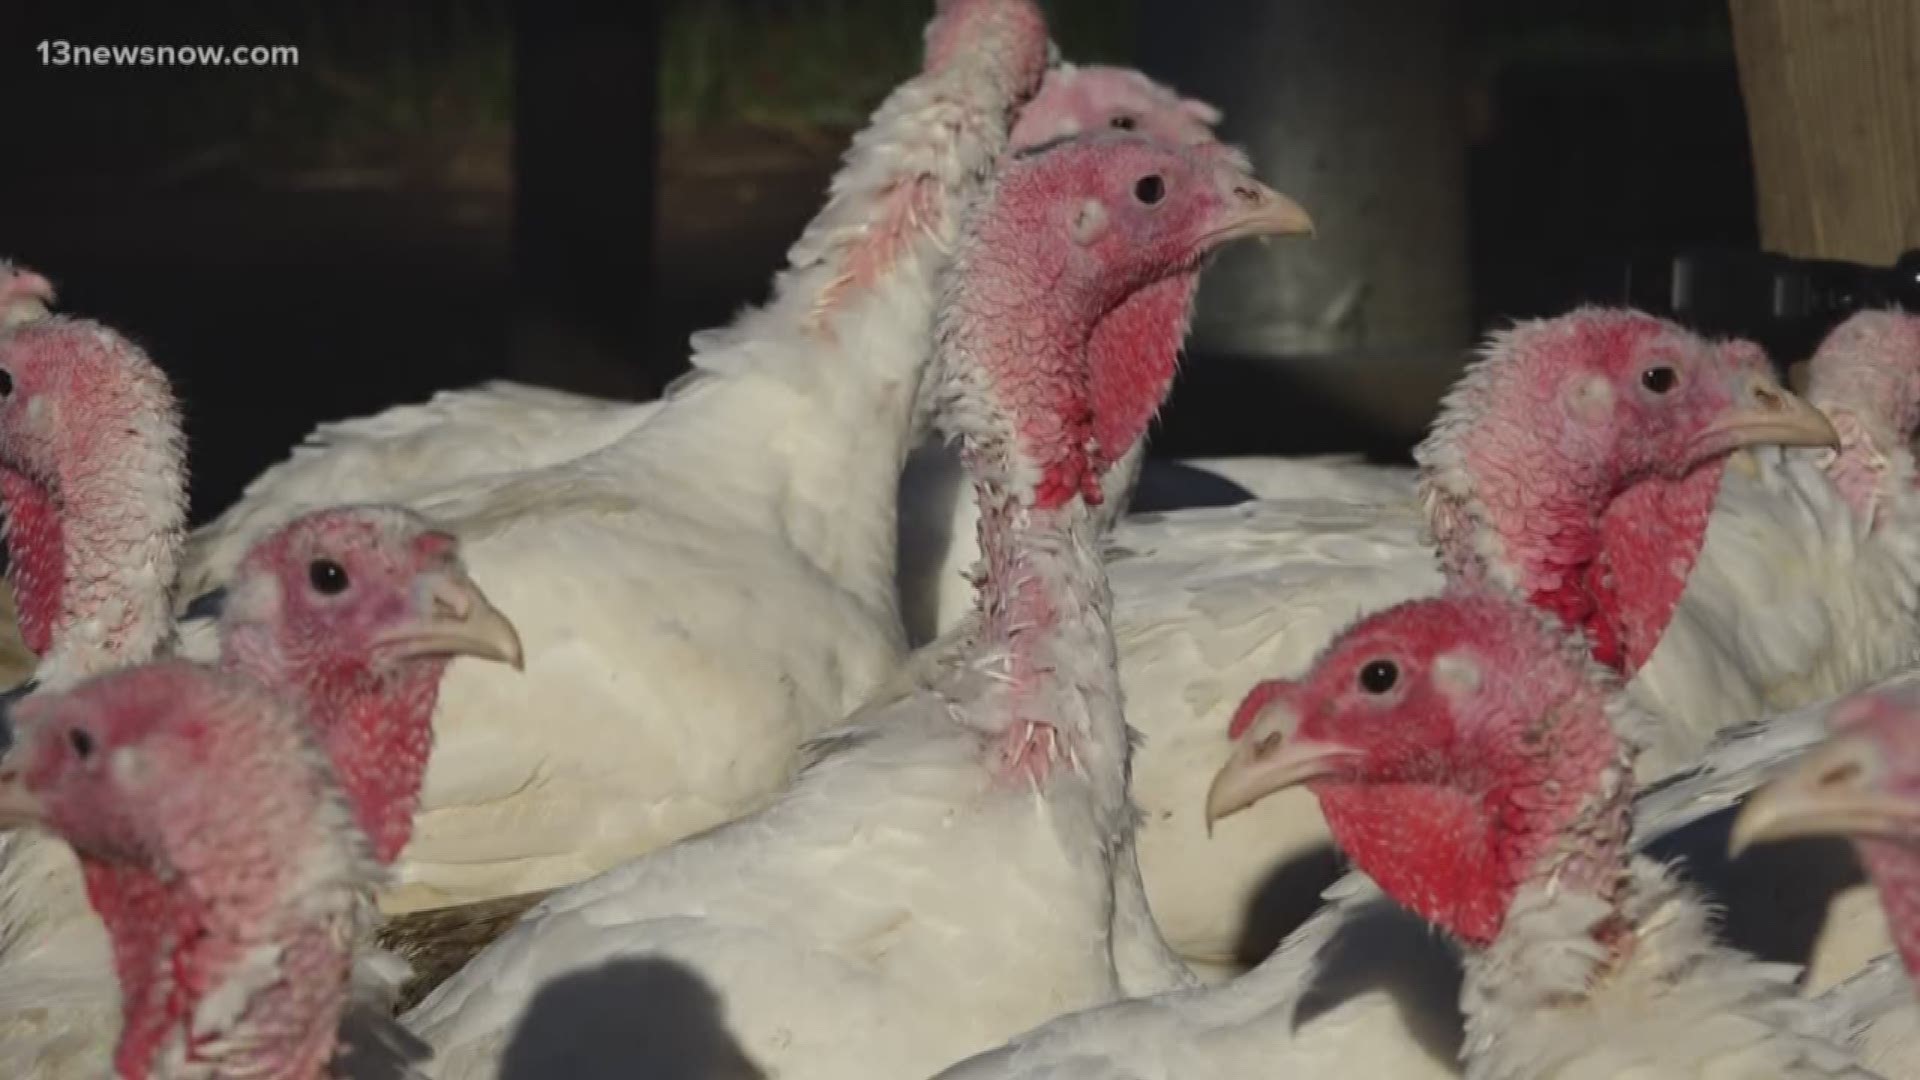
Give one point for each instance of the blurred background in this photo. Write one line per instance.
(447, 191)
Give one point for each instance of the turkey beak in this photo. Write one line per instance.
(1766, 415)
(1253, 209)
(453, 617)
(1267, 760)
(1834, 791)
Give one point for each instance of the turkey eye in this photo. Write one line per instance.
(327, 576)
(1659, 379)
(1150, 189)
(6, 382)
(1379, 676)
(82, 742)
(1124, 123)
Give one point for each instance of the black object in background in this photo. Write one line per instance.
(1785, 304)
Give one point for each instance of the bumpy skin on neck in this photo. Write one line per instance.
(92, 469)
(1018, 398)
(376, 727)
(1651, 536)
(1579, 519)
(1532, 788)
(1039, 267)
(372, 714)
(221, 860)
(1477, 763)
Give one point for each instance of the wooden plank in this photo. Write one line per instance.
(1833, 108)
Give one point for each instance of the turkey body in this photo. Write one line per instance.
(816, 926)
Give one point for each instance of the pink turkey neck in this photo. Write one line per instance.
(70, 536)
(376, 727)
(1547, 525)
(168, 943)
(1895, 869)
(1613, 564)
(144, 926)
(1458, 860)
(1651, 536)
(36, 563)
(166, 946)
(1133, 355)
(1042, 592)
(377, 730)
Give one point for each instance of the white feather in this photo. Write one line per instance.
(714, 583)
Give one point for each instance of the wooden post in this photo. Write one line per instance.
(1833, 108)
(585, 98)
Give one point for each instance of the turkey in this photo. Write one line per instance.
(1207, 602)
(93, 474)
(24, 297)
(1143, 335)
(942, 873)
(405, 454)
(351, 615)
(938, 518)
(1863, 785)
(1497, 806)
(1823, 543)
(348, 616)
(711, 588)
(408, 452)
(1810, 578)
(220, 856)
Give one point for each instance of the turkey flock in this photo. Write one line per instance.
(830, 718)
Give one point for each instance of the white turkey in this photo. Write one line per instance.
(93, 475)
(224, 862)
(369, 607)
(1208, 602)
(1863, 785)
(409, 451)
(1811, 581)
(709, 589)
(942, 874)
(1474, 761)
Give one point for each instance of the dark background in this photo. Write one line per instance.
(298, 244)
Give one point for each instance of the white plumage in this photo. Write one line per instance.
(1208, 602)
(1317, 1006)
(404, 454)
(956, 864)
(715, 584)
(1363, 989)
